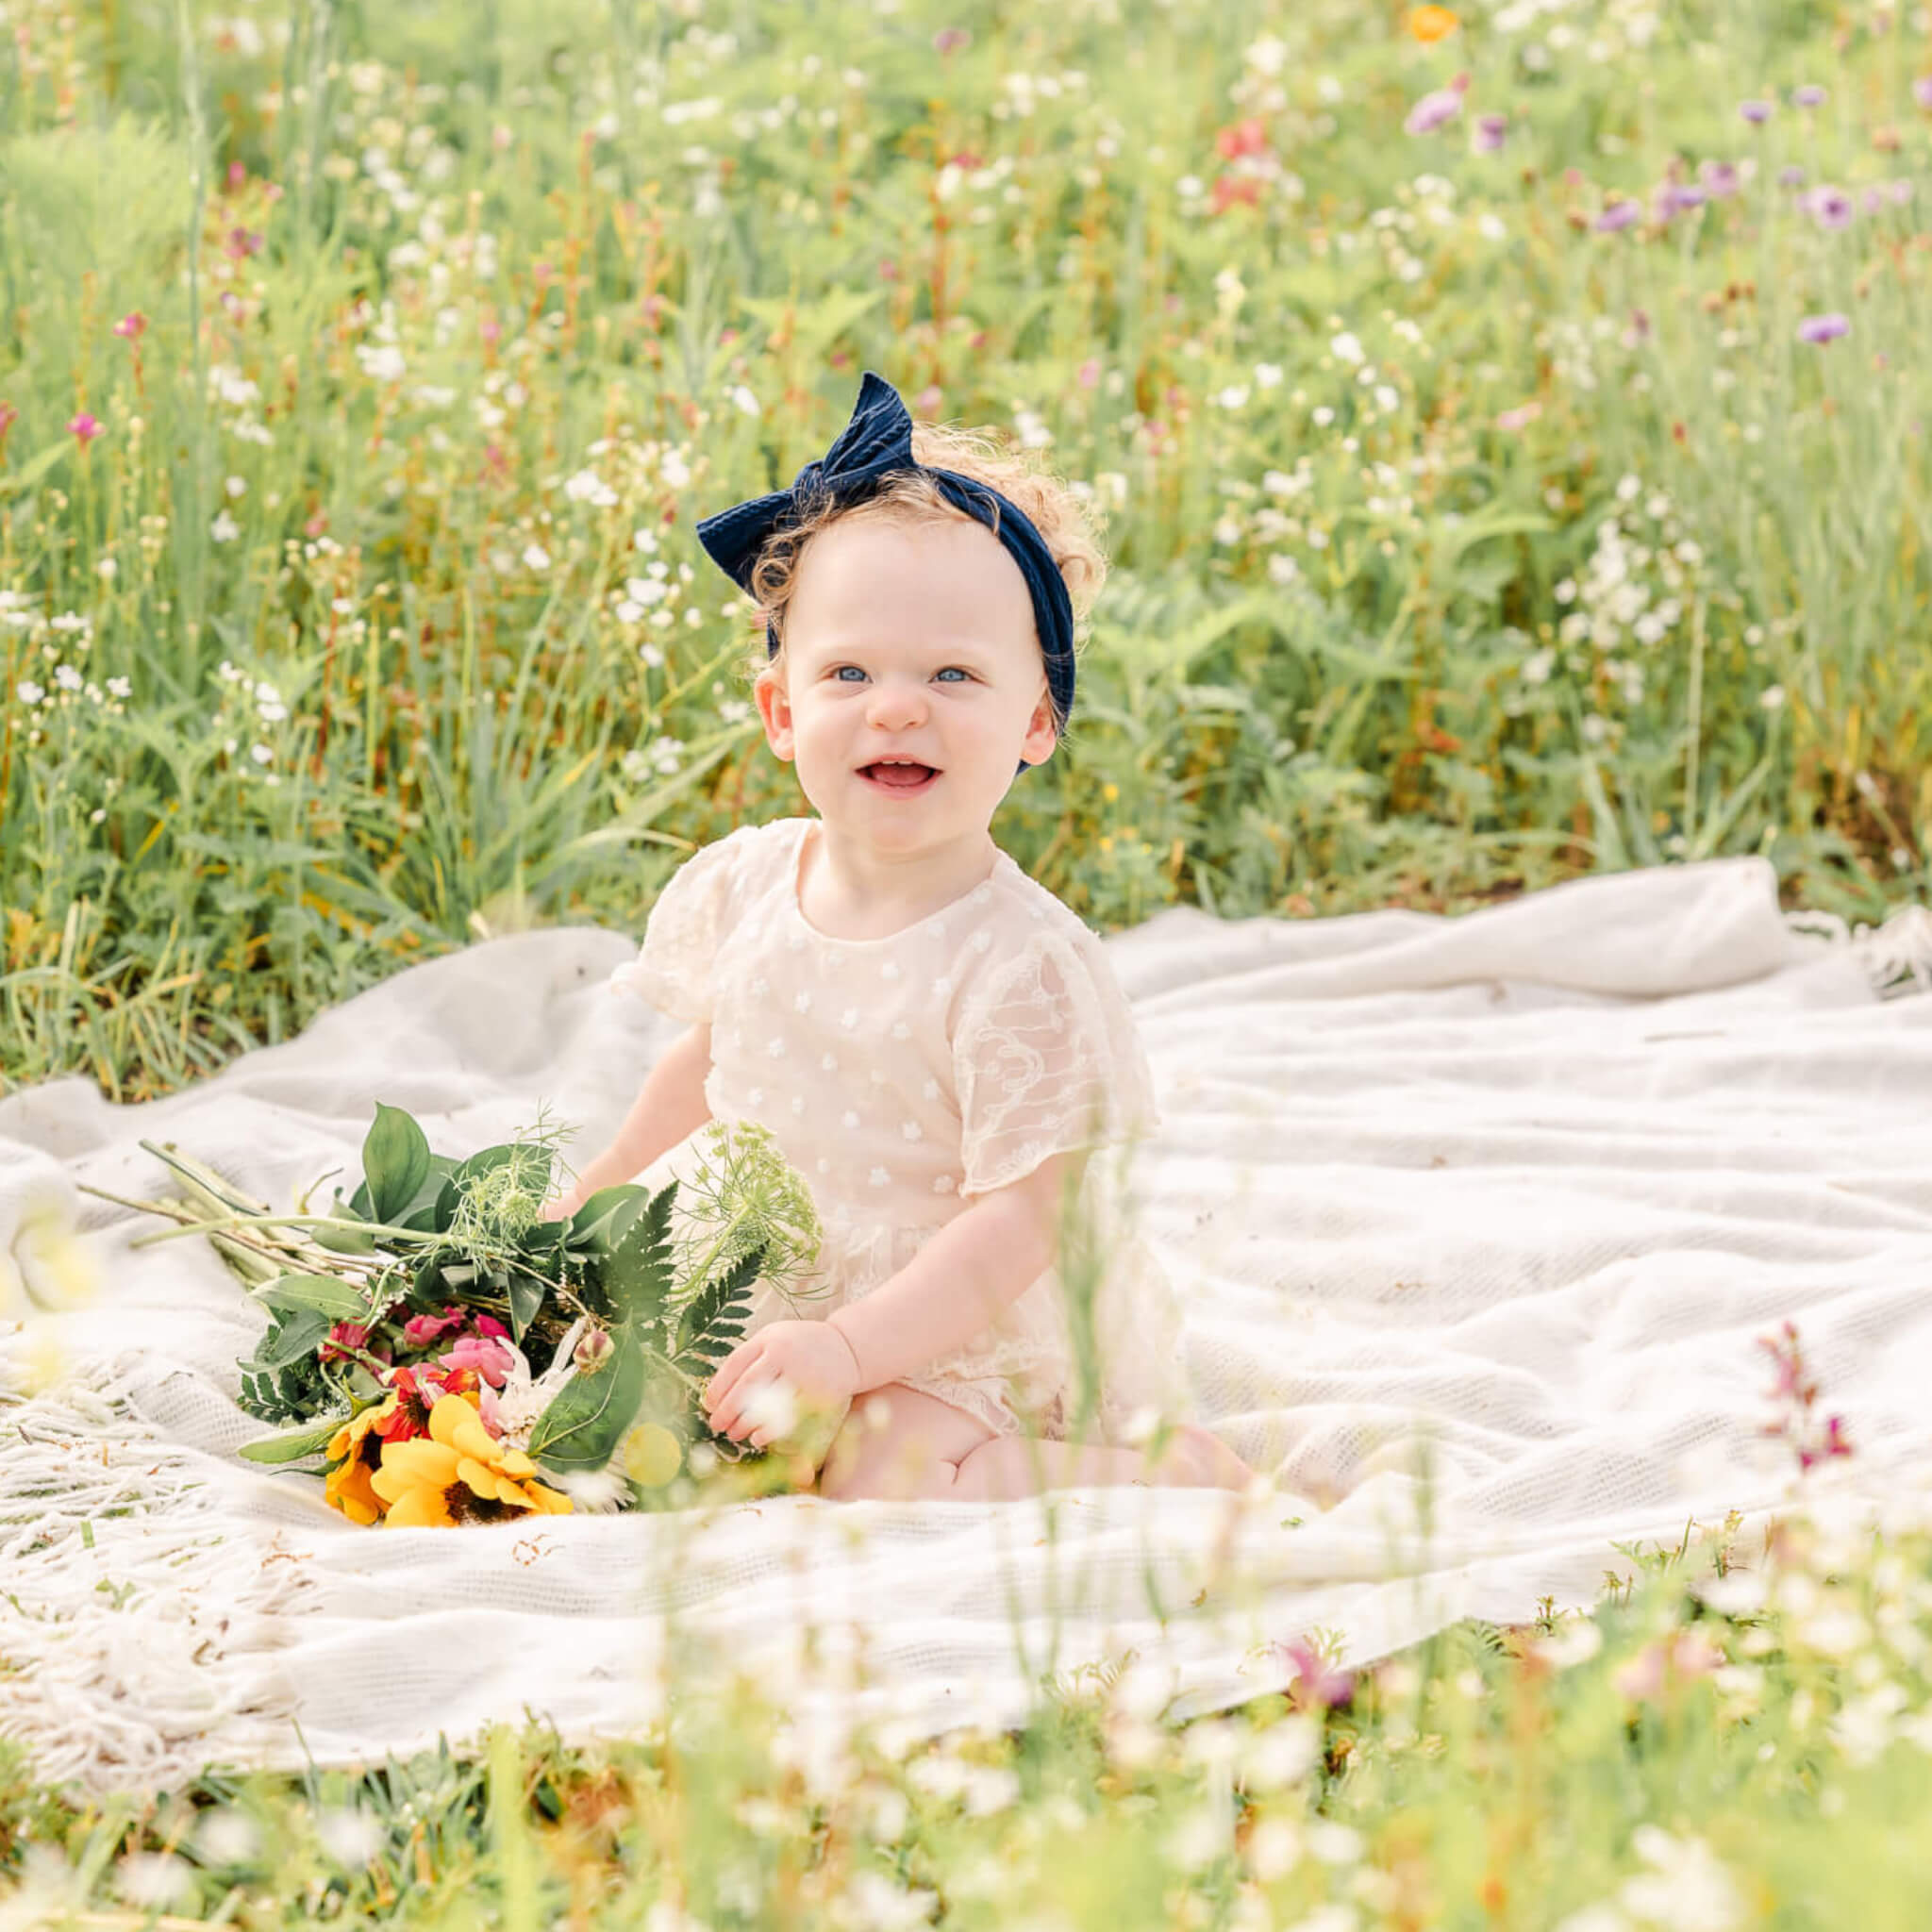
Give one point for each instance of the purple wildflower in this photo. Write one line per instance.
(1638, 330)
(1810, 95)
(1901, 191)
(1756, 112)
(1620, 215)
(1720, 177)
(1433, 111)
(1922, 92)
(1822, 328)
(1674, 197)
(1793, 177)
(1830, 208)
(949, 40)
(1315, 1683)
(1490, 130)
(1873, 199)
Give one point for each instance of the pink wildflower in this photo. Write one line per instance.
(490, 1358)
(132, 325)
(1315, 1683)
(419, 1331)
(84, 428)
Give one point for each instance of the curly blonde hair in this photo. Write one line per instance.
(1069, 526)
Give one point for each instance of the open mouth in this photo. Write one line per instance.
(903, 779)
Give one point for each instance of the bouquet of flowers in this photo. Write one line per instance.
(447, 1356)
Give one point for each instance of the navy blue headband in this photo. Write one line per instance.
(876, 442)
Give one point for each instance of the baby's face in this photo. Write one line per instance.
(915, 641)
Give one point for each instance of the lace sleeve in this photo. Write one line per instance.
(673, 968)
(1046, 1060)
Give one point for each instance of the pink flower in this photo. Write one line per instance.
(1433, 111)
(1090, 372)
(1521, 417)
(949, 40)
(488, 1325)
(488, 1357)
(83, 427)
(419, 1331)
(132, 325)
(1315, 1683)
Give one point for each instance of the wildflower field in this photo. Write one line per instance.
(1510, 430)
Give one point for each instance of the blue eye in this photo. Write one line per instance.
(839, 670)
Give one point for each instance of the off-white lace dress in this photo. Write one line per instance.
(906, 1077)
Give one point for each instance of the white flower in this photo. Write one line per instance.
(351, 1836)
(536, 556)
(154, 1878)
(521, 1401)
(262, 753)
(772, 1407)
(382, 361)
(1321, 417)
(588, 487)
(1689, 1890)
(674, 469)
(224, 529)
(1283, 569)
(745, 400)
(1346, 348)
(67, 678)
(1267, 375)
(119, 687)
(646, 590)
(236, 485)
(1385, 397)
(1233, 398)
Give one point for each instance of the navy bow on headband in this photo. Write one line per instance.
(877, 440)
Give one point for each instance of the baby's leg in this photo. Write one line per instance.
(897, 1443)
(1009, 1467)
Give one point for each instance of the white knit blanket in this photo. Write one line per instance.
(1474, 1221)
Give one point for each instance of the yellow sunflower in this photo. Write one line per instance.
(355, 1456)
(460, 1474)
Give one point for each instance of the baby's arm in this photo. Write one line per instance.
(670, 1104)
(961, 1280)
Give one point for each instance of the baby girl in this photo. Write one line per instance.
(935, 1042)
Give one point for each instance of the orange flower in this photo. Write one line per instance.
(347, 1487)
(461, 1474)
(1432, 24)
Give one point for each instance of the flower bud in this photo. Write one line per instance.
(594, 1348)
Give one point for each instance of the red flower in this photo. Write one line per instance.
(1248, 137)
(1229, 189)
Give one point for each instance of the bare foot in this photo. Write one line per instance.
(1195, 1458)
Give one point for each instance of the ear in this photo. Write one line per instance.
(1037, 745)
(775, 707)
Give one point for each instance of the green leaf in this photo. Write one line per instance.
(634, 1273)
(341, 1236)
(526, 1292)
(590, 1413)
(396, 1161)
(292, 1446)
(34, 469)
(288, 1339)
(712, 1323)
(340, 1301)
(603, 1220)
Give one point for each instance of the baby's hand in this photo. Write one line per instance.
(810, 1362)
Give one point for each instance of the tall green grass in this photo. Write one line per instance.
(1358, 404)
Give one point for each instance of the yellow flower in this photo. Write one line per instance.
(461, 1473)
(1432, 24)
(355, 1456)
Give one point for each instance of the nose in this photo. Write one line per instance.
(893, 705)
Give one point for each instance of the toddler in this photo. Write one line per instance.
(937, 1044)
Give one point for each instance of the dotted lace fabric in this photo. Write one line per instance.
(904, 1077)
